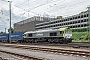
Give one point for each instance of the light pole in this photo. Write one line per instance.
(10, 21)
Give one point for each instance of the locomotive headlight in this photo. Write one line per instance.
(68, 35)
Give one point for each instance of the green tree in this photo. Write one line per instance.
(2, 32)
(12, 30)
(59, 17)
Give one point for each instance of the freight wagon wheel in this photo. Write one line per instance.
(30, 41)
(50, 41)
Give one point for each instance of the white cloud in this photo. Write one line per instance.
(22, 9)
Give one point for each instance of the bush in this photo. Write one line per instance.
(80, 36)
(80, 30)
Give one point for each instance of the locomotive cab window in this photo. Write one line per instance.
(61, 32)
(53, 34)
(68, 31)
(24, 34)
(29, 35)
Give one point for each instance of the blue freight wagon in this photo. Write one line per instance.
(4, 37)
(15, 37)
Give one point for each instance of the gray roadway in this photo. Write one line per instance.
(43, 55)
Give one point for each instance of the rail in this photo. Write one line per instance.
(20, 55)
(64, 51)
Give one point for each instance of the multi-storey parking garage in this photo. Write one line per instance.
(76, 21)
(30, 23)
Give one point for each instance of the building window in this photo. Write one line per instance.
(75, 21)
(75, 17)
(78, 16)
(58, 24)
(66, 19)
(78, 25)
(81, 25)
(81, 16)
(73, 26)
(70, 22)
(87, 15)
(58, 21)
(85, 20)
(81, 20)
(70, 18)
(85, 25)
(64, 23)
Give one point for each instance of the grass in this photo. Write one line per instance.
(80, 40)
(80, 37)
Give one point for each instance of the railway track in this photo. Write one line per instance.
(54, 50)
(1, 58)
(85, 45)
(4, 55)
(19, 55)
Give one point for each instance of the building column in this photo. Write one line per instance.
(89, 22)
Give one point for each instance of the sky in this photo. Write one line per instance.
(24, 9)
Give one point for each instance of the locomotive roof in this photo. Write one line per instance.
(30, 32)
(48, 30)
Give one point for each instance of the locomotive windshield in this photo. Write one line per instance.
(68, 31)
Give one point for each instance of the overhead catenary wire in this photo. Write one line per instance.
(49, 8)
(36, 13)
(35, 7)
(67, 7)
(41, 5)
(70, 5)
(33, 12)
(28, 11)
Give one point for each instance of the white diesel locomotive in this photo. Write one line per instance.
(62, 35)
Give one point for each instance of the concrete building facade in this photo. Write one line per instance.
(29, 24)
(75, 21)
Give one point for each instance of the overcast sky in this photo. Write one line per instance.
(23, 9)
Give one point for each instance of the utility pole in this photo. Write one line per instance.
(5, 30)
(89, 23)
(10, 21)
